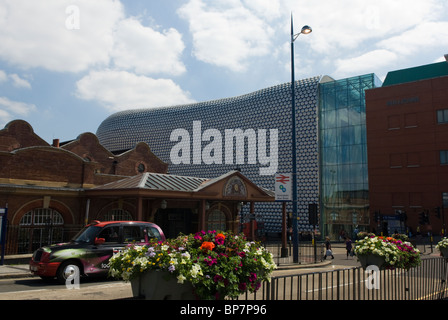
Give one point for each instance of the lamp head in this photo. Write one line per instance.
(306, 30)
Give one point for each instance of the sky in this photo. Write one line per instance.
(66, 65)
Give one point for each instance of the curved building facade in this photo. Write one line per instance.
(251, 133)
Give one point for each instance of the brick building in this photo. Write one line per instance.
(407, 138)
(51, 191)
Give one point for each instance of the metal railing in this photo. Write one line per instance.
(22, 240)
(426, 282)
(308, 252)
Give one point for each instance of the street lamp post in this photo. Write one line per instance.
(305, 30)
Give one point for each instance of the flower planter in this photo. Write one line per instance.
(160, 285)
(217, 265)
(387, 253)
(372, 259)
(444, 252)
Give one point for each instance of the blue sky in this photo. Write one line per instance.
(66, 65)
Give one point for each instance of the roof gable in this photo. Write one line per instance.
(19, 134)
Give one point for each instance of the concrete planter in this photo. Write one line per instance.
(372, 259)
(444, 252)
(160, 285)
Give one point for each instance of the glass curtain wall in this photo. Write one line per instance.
(344, 194)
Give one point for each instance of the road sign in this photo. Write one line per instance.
(283, 187)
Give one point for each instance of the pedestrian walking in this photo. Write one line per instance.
(349, 247)
(328, 251)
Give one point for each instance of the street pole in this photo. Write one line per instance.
(295, 236)
(305, 30)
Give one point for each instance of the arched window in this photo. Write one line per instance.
(39, 217)
(217, 220)
(117, 215)
(40, 227)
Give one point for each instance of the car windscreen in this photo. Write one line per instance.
(86, 235)
(153, 233)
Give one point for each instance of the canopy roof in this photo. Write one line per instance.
(232, 185)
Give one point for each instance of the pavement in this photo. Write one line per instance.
(14, 267)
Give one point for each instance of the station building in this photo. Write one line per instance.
(49, 192)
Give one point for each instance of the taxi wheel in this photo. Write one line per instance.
(68, 269)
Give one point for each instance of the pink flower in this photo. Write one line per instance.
(252, 277)
(210, 261)
(242, 286)
(217, 278)
(197, 237)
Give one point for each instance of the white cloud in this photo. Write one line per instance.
(122, 90)
(267, 9)
(385, 35)
(12, 109)
(147, 51)
(74, 36)
(348, 24)
(428, 35)
(36, 33)
(19, 108)
(226, 33)
(364, 63)
(19, 82)
(3, 76)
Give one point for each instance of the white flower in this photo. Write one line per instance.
(186, 255)
(126, 275)
(196, 270)
(181, 278)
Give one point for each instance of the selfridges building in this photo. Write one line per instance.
(252, 133)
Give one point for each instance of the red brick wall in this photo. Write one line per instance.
(404, 140)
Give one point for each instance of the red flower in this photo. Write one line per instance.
(207, 245)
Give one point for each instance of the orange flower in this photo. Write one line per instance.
(207, 245)
(220, 239)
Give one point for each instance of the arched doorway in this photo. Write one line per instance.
(40, 227)
(218, 218)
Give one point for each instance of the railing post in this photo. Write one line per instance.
(320, 286)
(268, 289)
(337, 284)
